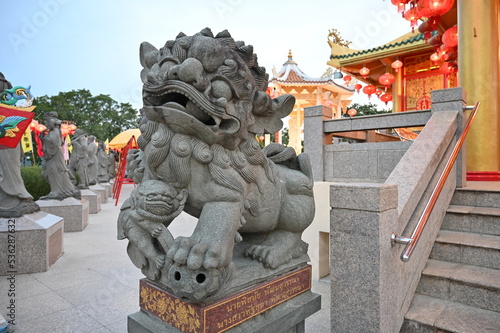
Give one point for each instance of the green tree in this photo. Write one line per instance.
(365, 110)
(98, 115)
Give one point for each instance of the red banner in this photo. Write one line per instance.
(13, 124)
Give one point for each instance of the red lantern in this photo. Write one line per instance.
(401, 4)
(431, 8)
(397, 64)
(347, 79)
(450, 37)
(40, 128)
(412, 15)
(328, 103)
(386, 98)
(72, 128)
(364, 72)
(435, 57)
(352, 112)
(386, 79)
(358, 87)
(369, 90)
(378, 93)
(446, 67)
(33, 124)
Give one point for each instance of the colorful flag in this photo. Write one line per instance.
(27, 143)
(13, 124)
(68, 141)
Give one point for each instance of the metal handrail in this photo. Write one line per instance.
(413, 240)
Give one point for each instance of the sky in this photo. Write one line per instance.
(63, 45)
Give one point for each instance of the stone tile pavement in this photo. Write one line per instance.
(93, 286)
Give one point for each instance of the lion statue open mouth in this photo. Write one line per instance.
(204, 103)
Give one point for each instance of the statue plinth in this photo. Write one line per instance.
(98, 188)
(285, 300)
(94, 200)
(109, 189)
(31, 243)
(74, 212)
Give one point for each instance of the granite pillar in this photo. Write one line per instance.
(315, 138)
(363, 265)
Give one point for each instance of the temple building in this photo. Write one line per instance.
(308, 91)
(462, 49)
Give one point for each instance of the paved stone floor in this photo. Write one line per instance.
(93, 286)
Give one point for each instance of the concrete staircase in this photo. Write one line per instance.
(459, 290)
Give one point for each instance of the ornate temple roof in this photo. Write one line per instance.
(399, 45)
(377, 59)
(291, 74)
(411, 42)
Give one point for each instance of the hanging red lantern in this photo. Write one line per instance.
(435, 57)
(386, 80)
(328, 104)
(431, 8)
(386, 98)
(378, 93)
(364, 72)
(442, 50)
(40, 128)
(72, 128)
(426, 28)
(33, 124)
(401, 4)
(450, 37)
(446, 67)
(352, 112)
(397, 64)
(347, 79)
(369, 90)
(412, 15)
(358, 87)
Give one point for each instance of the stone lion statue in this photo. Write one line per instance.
(204, 103)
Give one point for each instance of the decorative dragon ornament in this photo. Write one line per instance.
(15, 94)
(204, 102)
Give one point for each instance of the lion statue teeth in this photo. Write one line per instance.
(204, 103)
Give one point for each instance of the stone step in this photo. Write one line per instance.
(433, 315)
(476, 198)
(485, 220)
(467, 248)
(470, 285)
